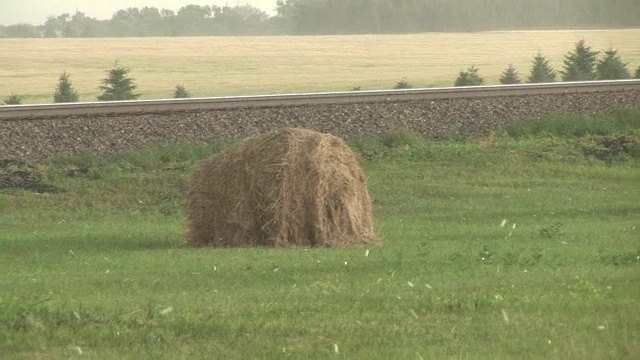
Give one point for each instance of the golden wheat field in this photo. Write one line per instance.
(219, 66)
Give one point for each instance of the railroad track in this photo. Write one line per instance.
(44, 111)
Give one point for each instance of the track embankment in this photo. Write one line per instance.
(38, 137)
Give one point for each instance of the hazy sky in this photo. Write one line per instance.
(36, 11)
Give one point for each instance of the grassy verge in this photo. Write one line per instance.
(522, 246)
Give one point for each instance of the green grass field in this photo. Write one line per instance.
(508, 247)
(220, 66)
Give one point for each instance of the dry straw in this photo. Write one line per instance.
(290, 187)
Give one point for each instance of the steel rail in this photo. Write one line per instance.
(44, 111)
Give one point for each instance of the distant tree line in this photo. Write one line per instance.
(298, 17)
(190, 20)
(409, 16)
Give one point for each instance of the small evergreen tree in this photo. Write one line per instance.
(402, 84)
(541, 71)
(13, 99)
(180, 92)
(638, 73)
(611, 67)
(469, 77)
(510, 76)
(580, 64)
(117, 86)
(64, 90)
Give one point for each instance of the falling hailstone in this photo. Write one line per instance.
(505, 316)
(166, 311)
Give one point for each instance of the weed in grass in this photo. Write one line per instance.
(486, 254)
(551, 231)
(620, 122)
(606, 138)
(171, 156)
(368, 147)
(20, 175)
(36, 313)
(608, 148)
(631, 258)
(581, 288)
(400, 137)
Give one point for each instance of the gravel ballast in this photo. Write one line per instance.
(37, 139)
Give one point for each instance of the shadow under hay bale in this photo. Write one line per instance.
(291, 187)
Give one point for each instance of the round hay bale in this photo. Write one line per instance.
(290, 187)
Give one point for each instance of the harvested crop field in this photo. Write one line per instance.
(219, 66)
